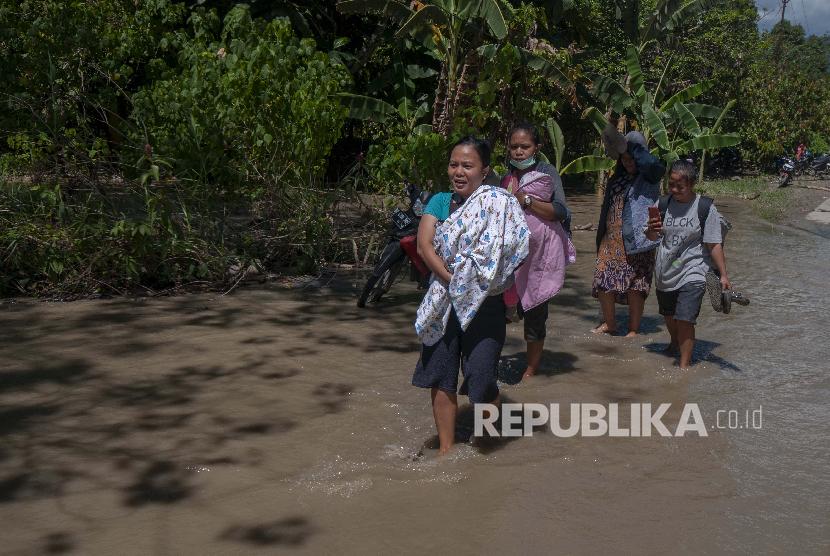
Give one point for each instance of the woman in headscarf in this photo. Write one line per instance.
(625, 256)
(472, 255)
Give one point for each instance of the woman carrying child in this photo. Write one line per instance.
(472, 255)
(538, 188)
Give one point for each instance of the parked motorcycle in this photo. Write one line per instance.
(820, 166)
(786, 170)
(401, 245)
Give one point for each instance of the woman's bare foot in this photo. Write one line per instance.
(632, 334)
(604, 329)
(529, 372)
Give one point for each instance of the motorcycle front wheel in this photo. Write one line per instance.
(383, 276)
(783, 179)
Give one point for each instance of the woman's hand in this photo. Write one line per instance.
(655, 228)
(719, 260)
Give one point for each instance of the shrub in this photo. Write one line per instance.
(248, 105)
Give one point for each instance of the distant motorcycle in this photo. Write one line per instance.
(400, 246)
(820, 166)
(786, 170)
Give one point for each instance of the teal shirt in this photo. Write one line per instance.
(439, 206)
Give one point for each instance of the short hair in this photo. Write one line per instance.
(528, 128)
(481, 146)
(686, 169)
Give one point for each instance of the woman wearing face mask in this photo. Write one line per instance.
(538, 188)
(472, 253)
(625, 256)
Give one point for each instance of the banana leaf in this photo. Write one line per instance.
(390, 8)
(596, 117)
(428, 15)
(690, 124)
(726, 109)
(710, 142)
(610, 93)
(488, 10)
(687, 94)
(628, 14)
(366, 108)
(704, 110)
(590, 163)
(488, 51)
(546, 69)
(670, 16)
(656, 126)
(414, 71)
(635, 73)
(557, 140)
(422, 129)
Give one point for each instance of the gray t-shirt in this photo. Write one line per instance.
(682, 258)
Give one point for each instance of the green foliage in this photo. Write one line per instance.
(54, 241)
(770, 204)
(65, 67)
(419, 158)
(181, 138)
(673, 126)
(786, 96)
(251, 106)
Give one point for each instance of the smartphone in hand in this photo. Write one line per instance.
(653, 212)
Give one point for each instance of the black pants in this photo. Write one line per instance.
(476, 350)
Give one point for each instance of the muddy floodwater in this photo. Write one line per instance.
(282, 419)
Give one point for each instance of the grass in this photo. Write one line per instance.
(767, 202)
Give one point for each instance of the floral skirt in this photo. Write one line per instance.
(623, 274)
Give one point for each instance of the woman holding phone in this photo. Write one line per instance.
(625, 256)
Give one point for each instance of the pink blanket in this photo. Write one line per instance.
(542, 274)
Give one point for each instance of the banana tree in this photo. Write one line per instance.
(663, 23)
(673, 124)
(583, 164)
(450, 30)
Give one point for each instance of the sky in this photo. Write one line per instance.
(813, 15)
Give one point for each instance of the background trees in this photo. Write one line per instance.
(160, 142)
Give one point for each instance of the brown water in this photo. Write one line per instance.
(277, 419)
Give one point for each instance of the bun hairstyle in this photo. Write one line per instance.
(528, 128)
(481, 146)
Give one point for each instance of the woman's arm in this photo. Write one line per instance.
(540, 208)
(426, 233)
(718, 257)
(554, 209)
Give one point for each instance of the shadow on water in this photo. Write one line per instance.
(290, 531)
(161, 482)
(703, 352)
(58, 543)
(65, 423)
(511, 367)
(487, 443)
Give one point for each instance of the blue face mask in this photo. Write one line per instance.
(523, 164)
